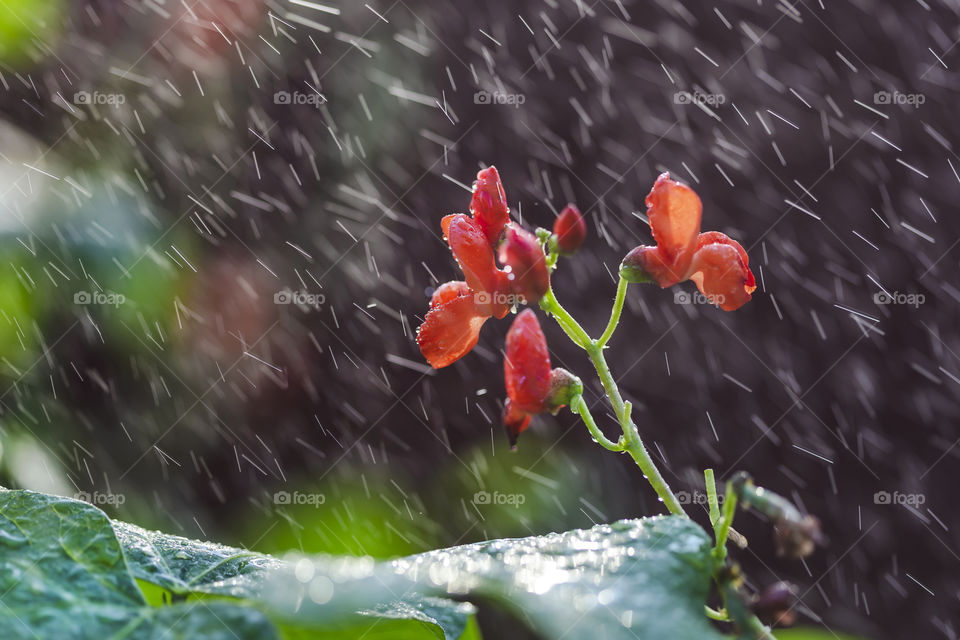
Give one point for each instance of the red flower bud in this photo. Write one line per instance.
(528, 273)
(532, 387)
(489, 205)
(570, 229)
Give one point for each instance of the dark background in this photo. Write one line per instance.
(203, 195)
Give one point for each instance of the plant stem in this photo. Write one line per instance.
(713, 614)
(570, 326)
(711, 485)
(723, 528)
(614, 313)
(631, 441)
(580, 407)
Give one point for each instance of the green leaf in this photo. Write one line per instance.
(809, 633)
(63, 575)
(190, 567)
(635, 579)
(182, 568)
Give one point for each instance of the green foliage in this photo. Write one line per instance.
(634, 579)
(66, 570)
(23, 21)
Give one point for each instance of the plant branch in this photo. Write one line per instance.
(579, 406)
(631, 441)
(614, 314)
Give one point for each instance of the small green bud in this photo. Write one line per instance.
(564, 387)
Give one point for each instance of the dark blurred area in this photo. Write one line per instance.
(221, 229)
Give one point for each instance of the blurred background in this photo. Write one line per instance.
(220, 231)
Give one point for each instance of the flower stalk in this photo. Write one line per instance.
(630, 441)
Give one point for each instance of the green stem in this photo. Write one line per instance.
(723, 528)
(580, 407)
(570, 326)
(631, 441)
(711, 485)
(614, 313)
(713, 614)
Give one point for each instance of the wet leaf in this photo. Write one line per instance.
(634, 579)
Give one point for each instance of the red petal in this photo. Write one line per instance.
(721, 273)
(515, 421)
(529, 275)
(448, 291)
(489, 205)
(674, 212)
(526, 368)
(570, 228)
(473, 252)
(450, 331)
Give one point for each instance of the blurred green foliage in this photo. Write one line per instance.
(23, 21)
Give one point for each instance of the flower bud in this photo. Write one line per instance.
(529, 276)
(570, 229)
(632, 268)
(775, 604)
(489, 204)
(564, 387)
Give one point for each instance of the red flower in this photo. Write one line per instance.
(532, 386)
(570, 229)
(458, 309)
(717, 264)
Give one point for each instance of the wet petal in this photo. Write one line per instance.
(515, 422)
(526, 368)
(529, 276)
(473, 253)
(450, 331)
(489, 205)
(674, 211)
(721, 274)
(448, 291)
